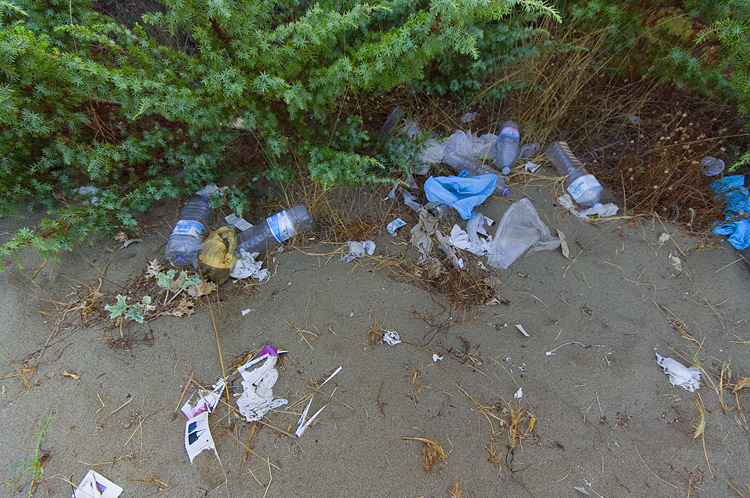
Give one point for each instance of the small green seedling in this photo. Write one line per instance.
(130, 311)
(33, 467)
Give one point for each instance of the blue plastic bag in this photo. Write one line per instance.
(736, 202)
(462, 194)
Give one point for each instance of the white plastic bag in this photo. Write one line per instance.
(519, 230)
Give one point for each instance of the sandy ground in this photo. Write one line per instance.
(607, 420)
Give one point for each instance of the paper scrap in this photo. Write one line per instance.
(246, 266)
(676, 263)
(522, 330)
(680, 375)
(391, 337)
(207, 400)
(358, 250)
(563, 244)
(257, 397)
(395, 225)
(94, 485)
(246, 311)
(519, 393)
(602, 210)
(663, 238)
(436, 357)
(198, 436)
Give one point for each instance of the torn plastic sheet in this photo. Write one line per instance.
(94, 485)
(239, 223)
(303, 425)
(680, 375)
(207, 400)
(422, 232)
(519, 229)
(358, 249)
(603, 210)
(257, 397)
(519, 393)
(246, 266)
(198, 436)
(461, 193)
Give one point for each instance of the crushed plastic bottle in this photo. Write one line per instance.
(187, 235)
(508, 147)
(274, 230)
(583, 187)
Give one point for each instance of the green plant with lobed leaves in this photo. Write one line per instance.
(86, 101)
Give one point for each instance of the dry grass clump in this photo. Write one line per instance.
(432, 452)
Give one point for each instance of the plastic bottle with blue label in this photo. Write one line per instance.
(582, 186)
(508, 147)
(187, 235)
(274, 230)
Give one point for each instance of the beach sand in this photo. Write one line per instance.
(606, 418)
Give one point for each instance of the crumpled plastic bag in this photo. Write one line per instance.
(736, 202)
(680, 375)
(257, 396)
(520, 229)
(358, 249)
(603, 210)
(217, 255)
(246, 266)
(462, 194)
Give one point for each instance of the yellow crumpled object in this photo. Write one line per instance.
(217, 255)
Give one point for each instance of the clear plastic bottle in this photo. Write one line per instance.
(187, 235)
(583, 187)
(275, 229)
(508, 147)
(475, 167)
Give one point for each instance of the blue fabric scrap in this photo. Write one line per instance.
(462, 194)
(736, 205)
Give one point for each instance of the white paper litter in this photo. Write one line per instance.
(680, 375)
(198, 436)
(531, 167)
(246, 266)
(604, 210)
(461, 239)
(391, 337)
(358, 249)
(245, 312)
(676, 263)
(436, 357)
(207, 400)
(257, 397)
(94, 485)
(519, 393)
(521, 329)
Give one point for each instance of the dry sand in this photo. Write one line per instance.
(607, 419)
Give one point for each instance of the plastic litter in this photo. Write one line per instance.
(436, 357)
(395, 225)
(522, 330)
(246, 266)
(680, 375)
(508, 147)
(462, 194)
(257, 397)
(464, 152)
(94, 485)
(207, 400)
(520, 229)
(736, 203)
(239, 223)
(422, 232)
(712, 166)
(519, 394)
(602, 210)
(358, 249)
(531, 167)
(217, 255)
(470, 240)
(198, 436)
(303, 425)
(391, 337)
(583, 187)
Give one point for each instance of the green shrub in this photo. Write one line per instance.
(86, 101)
